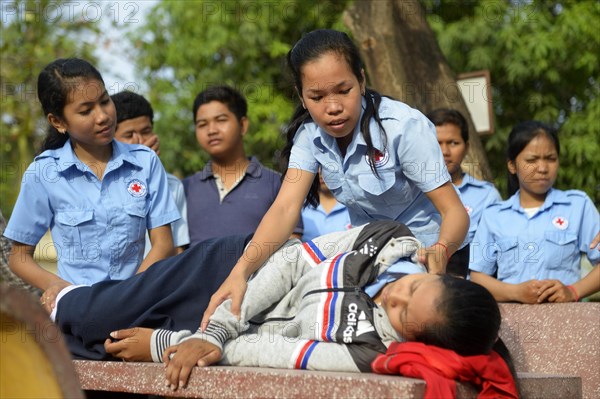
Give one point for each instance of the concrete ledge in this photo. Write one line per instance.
(561, 338)
(555, 347)
(243, 382)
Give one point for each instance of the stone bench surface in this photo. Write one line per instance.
(556, 350)
(562, 338)
(555, 347)
(243, 382)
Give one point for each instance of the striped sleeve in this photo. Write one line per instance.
(256, 350)
(215, 333)
(162, 339)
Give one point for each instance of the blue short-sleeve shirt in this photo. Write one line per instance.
(179, 228)
(410, 165)
(546, 246)
(476, 195)
(97, 226)
(317, 222)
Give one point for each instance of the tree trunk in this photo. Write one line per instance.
(404, 61)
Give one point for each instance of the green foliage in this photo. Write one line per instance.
(32, 34)
(187, 46)
(543, 57)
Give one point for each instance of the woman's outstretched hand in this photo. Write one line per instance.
(234, 288)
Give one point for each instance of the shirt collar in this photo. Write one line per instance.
(553, 197)
(373, 128)
(122, 153)
(254, 169)
(66, 158)
(470, 180)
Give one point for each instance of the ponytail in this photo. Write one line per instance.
(373, 100)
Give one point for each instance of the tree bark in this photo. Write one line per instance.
(403, 60)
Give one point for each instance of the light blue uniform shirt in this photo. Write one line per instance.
(396, 271)
(410, 165)
(476, 195)
(179, 228)
(545, 246)
(98, 227)
(317, 222)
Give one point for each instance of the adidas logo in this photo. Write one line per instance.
(369, 248)
(356, 326)
(363, 326)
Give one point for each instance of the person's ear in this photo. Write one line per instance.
(512, 167)
(57, 123)
(245, 124)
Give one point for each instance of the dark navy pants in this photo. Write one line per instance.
(171, 294)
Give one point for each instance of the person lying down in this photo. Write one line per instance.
(332, 304)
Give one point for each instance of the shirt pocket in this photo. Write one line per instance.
(507, 257)
(561, 249)
(136, 220)
(375, 185)
(387, 195)
(72, 225)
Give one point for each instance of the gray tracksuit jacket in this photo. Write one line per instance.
(305, 307)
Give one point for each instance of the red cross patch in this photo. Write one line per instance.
(560, 222)
(136, 188)
(379, 157)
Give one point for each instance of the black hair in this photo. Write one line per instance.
(130, 105)
(310, 47)
(54, 86)
(470, 321)
(471, 318)
(233, 99)
(442, 116)
(520, 136)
